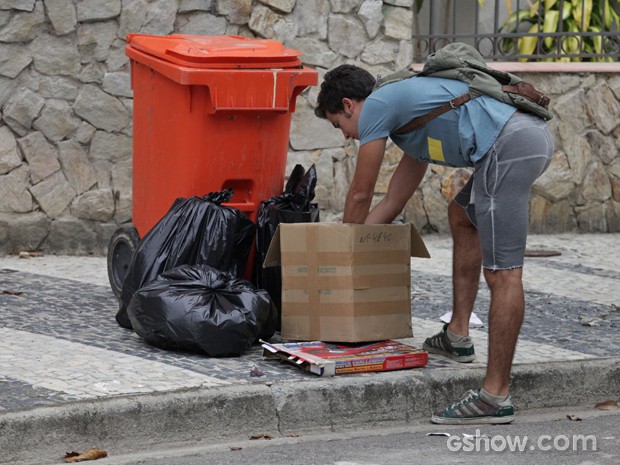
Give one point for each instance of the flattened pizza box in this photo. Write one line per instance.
(325, 359)
(345, 282)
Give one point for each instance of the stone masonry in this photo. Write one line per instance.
(66, 115)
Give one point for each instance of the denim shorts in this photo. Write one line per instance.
(496, 197)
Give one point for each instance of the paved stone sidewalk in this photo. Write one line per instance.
(59, 341)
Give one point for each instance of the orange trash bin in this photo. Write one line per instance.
(210, 113)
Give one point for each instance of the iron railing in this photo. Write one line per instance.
(512, 30)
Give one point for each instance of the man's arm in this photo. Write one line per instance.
(359, 197)
(405, 180)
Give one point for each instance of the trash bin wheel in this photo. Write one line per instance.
(122, 245)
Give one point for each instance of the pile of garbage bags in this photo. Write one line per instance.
(184, 288)
(199, 308)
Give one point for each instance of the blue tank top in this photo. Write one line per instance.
(457, 138)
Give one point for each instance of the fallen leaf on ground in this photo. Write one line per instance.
(234, 448)
(541, 253)
(30, 254)
(12, 293)
(255, 371)
(261, 436)
(607, 405)
(90, 454)
(573, 418)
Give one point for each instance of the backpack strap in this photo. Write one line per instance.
(446, 107)
(527, 90)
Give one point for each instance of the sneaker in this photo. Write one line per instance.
(461, 350)
(474, 408)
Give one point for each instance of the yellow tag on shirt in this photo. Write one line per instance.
(435, 150)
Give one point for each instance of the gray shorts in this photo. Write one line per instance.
(496, 197)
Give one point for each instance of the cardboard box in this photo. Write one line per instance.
(345, 282)
(336, 359)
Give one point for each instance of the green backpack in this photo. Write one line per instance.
(463, 62)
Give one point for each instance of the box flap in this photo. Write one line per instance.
(273, 257)
(418, 248)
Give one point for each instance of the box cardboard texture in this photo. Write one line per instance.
(345, 282)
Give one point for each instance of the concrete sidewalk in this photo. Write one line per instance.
(71, 378)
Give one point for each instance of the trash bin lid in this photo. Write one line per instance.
(219, 52)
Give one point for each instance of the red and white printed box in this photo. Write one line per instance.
(325, 359)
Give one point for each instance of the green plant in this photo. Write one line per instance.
(569, 20)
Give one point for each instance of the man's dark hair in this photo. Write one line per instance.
(345, 81)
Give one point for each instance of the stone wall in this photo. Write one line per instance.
(66, 108)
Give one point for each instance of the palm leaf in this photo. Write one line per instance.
(549, 4)
(571, 42)
(550, 25)
(567, 11)
(597, 40)
(527, 44)
(582, 12)
(613, 16)
(515, 19)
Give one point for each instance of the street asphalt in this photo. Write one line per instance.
(71, 378)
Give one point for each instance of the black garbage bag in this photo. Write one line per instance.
(293, 206)
(196, 230)
(201, 309)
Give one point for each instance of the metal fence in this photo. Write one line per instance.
(520, 30)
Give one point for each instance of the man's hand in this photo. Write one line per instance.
(362, 187)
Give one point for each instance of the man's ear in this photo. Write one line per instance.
(347, 105)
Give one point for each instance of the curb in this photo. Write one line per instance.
(200, 416)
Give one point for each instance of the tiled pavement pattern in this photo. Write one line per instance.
(59, 341)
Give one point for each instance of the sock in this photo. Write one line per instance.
(453, 337)
(495, 399)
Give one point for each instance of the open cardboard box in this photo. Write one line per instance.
(345, 282)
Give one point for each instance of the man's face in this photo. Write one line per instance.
(346, 120)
